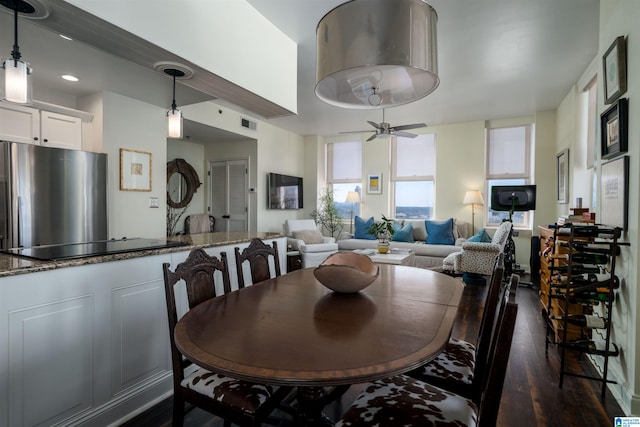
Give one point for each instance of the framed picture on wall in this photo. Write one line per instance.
(374, 184)
(614, 66)
(562, 176)
(613, 129)
(614, 192)
(135, 170)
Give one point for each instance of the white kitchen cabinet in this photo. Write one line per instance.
(60, 131)
(19, 124)
(32, 126)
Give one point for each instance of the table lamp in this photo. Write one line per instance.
(473, 197)
(352, 197)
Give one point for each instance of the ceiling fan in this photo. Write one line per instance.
(384, 129)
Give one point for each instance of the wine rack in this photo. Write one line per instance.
(580, 291)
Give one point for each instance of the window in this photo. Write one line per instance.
(508, 163)
(413, 166)
(344, 174)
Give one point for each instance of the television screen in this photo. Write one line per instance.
(516, 197)
(284, 192)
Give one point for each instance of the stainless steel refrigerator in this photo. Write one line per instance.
(51, 195)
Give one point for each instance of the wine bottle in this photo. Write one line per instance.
(576, 268)
(589, 346)
(599, 294)
(589, 231)
(590, 321)
(587, 281)
(590, 248)
(573, 300)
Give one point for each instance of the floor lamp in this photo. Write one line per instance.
(473, 197)
(352, 197)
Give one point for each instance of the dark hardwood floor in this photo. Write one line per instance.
(531, 396)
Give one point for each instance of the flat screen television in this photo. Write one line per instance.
(513, 197)
(284, 192)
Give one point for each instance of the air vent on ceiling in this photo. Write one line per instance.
(249, 124)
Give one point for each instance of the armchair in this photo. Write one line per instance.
(303, 236)
(478, 257)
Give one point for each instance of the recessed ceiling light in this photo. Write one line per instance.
(70, 78)
(65, 37)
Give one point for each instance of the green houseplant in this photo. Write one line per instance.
(327, 215)
(383, 230)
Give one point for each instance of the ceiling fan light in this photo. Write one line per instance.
(376, 53)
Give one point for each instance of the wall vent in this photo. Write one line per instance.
(249, 124)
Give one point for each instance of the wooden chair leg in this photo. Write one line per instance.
(178, 412)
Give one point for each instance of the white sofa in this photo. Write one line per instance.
(427, 255)
(478, 257)
(312, 254)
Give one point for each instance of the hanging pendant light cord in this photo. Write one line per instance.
(15, 53)
(173, 104)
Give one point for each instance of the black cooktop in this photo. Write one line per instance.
(89, 249)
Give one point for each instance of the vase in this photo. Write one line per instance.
(383, 247)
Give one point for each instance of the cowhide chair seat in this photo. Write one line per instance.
(242, 395)
(405, 401)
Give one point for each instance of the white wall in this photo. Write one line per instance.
(620, 17)
(135, 125)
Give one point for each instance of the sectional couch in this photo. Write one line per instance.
(414, 235)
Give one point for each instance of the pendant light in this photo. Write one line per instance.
(16, 80)
(174, 116)
(376, 53)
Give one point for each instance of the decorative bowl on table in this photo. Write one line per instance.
(347, 272)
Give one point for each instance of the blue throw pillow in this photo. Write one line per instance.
(440, 232)
(362, 228)
(402, 234)
(480, 236)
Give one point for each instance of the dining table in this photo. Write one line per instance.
(291, 330)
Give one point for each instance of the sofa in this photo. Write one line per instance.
(411, 234)
(303, 236)
(478, 257)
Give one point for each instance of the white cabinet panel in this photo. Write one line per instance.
(60, 131)
(140, 334)
(50, 361)
(19, 124)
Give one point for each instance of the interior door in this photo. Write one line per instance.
(229, 194)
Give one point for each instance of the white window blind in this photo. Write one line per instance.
(344, 162)
(508, 152)
(413, 158)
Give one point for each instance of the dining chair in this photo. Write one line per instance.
(257, 254)
(461, 366)
(406, 401)
(238, 402)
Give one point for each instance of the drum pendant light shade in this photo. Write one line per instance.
(376, 53)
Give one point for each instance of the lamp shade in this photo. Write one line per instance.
(174, 123)
(473, 197)
(16, 81)
(352, 197)
(376, 53)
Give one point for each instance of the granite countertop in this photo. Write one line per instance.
(11, 265)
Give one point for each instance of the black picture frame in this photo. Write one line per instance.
(614, 67)
(562, 176)
(613, 129)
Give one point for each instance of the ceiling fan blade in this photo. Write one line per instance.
(403, 134)
(356, 131)
(374, 124)
(412, 126)
(372, 137)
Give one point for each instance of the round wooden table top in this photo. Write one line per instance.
(291, 330)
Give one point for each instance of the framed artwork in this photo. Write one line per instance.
(613, 129)
(135, 170)
(562, 176)
(614, 192)
(614, 66)
(374, 184)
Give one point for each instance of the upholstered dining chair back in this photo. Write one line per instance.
(257, 254)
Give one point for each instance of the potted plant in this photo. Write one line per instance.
(383, 230)
(327, 215)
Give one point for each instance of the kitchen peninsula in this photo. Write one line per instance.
(86, 338)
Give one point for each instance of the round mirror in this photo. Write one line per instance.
(182, 183)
